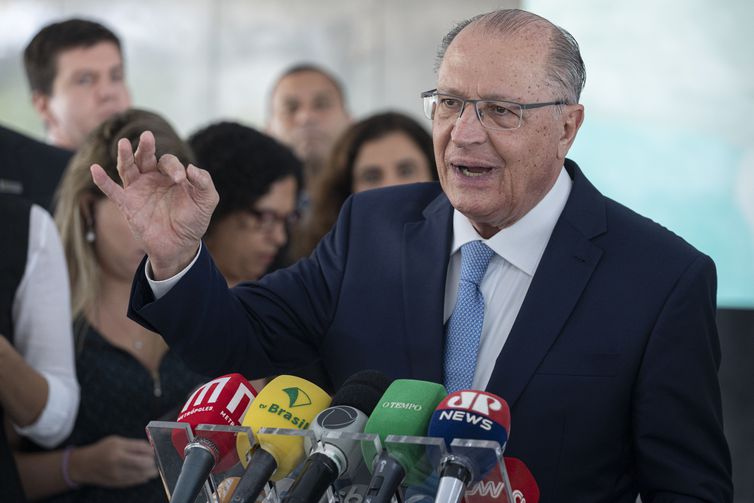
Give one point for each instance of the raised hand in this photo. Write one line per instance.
(168, 207)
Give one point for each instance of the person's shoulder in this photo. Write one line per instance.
(27, 148)
(8, 136)
(35, 165)
(409, 198)
(15, 208)
(614, 225)
(643, 232)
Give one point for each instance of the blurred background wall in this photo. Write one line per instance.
(669, 95)
(669, 100)
(197, 60)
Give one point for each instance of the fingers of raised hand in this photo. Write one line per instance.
(199, 177)
(111, 189)
(202, 181)
(170, 165)
(125, 165)
(145, 155)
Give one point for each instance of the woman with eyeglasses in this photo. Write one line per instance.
(258, 180)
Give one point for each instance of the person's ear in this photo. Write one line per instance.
(572, 116)
(86, 207)
(41, 103)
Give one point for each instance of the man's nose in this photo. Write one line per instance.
(467, 128)
(305, 115)
(107, 89)
(279, 234)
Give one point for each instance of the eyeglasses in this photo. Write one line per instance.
(493, 114)
(266, 220)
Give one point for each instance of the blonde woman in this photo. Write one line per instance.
(127, 374)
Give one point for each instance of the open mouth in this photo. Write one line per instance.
(472, 171)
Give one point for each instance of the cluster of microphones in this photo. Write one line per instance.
(368, 402)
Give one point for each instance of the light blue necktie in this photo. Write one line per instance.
(464, 328)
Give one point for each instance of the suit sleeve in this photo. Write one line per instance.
(260, 328)
(677, 414)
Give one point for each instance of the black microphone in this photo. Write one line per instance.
(335, 457)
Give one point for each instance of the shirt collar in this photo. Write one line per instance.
(523, 243)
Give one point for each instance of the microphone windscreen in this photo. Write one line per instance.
(492, 488)
(475, 415)
(286, 402)
(362, 390)
(221, 401)
(404, 409)
(523, 485)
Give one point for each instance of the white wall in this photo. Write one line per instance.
(196, 61)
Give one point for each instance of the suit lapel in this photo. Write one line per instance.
(424, 264)
(562, 275)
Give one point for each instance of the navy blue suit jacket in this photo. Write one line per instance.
(610, 369)
(30, 168)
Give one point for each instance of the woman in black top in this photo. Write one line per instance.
(127, 374)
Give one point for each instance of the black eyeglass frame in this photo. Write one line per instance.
(266, 219)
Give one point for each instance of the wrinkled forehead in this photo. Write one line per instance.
(481, 62)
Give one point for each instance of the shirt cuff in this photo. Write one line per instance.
(162, 287)
(56, 421)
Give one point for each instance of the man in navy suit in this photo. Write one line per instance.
(599, 325)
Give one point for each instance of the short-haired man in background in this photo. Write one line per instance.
(76, 75)
(307, 112)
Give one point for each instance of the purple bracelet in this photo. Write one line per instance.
(64, 468)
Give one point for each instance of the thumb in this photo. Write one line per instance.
(111, 189)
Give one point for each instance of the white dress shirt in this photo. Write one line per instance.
(42, 330)
(518, 249)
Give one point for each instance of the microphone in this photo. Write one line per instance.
(468, 414)
(221, 401)
(335, 457)
(523, 484)
(404, 409)
(286, 402)
(523, 487)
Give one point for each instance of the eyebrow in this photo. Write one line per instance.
(496, 97)
(325, 95)
(83, 72)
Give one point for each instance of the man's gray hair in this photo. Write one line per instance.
(565, 68)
